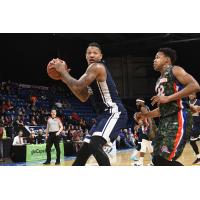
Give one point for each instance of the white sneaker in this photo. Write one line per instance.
(150, 164)
(138, 163)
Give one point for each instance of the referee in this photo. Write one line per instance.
(54, 127)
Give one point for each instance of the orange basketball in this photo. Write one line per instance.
(52, 72)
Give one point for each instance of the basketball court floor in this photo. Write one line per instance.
(122, 158)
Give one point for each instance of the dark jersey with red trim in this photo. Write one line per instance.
(167, 85)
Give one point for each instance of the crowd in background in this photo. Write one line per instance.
(22, 107)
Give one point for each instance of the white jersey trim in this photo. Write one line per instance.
(106, 97)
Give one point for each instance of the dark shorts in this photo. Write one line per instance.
(145, 136)
(173, 133)
(108, 126)
(195, 133)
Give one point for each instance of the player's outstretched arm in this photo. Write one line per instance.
(151, 114)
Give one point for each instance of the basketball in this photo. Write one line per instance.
(52, 73)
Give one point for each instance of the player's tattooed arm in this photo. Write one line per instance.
(79, 87)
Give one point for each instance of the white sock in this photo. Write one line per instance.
(135, 152)
(151, 157)
(141, 160)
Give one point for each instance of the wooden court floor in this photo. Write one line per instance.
(123, 158)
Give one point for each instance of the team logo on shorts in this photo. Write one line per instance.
(165, 149)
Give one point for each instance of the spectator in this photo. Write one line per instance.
(18, 124)
(58, 104)
(18, 140)
(1, 142)
(8, 105)
(75, 116)
(33, 121)
(40, 138)
(33, 99)
(32, 138)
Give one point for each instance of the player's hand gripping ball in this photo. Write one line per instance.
(51, 71)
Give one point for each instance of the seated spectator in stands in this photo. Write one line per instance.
(123, 139)
(33, 99)
(20, 112)
(118, 142)
(91, 123)
(66, 104)
(64, 133)
(33, 121)
(71, 121)
(76, 138)
(26, 120)
(75, 116)
(38, 119)
(40, 138)
(8, 124)
(18, 140)
(8, 105)
(129, 137)
(2, 120)
(32, 139)
(58, 104)
(1, 142)
(71, 131)
(33, 107)
(83, 124)
(3, 107)
(18, 124)
(8, 120)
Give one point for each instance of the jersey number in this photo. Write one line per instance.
(161, 91)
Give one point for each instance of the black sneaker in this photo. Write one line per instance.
(197, 161)
(57, 163)
(46, 163)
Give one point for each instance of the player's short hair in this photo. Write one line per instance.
(171, 53)
(95, 44)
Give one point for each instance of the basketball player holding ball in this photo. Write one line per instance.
(96, 83)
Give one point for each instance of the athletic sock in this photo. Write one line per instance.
(141, 160)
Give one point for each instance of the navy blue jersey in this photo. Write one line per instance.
(105, 96)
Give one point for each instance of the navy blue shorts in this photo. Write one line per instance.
(108, 126)
(195, 133)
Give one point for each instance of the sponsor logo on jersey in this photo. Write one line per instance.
(165, 149)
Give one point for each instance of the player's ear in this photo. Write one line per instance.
(101, 56)
(168, 60)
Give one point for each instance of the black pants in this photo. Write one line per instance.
(95, 147)
(53, 139)
(194, 146)
(160, 161)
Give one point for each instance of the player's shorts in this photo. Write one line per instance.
(108, 126)
(146, 145)
(145, 136)
(173, 133)
(195, 135)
